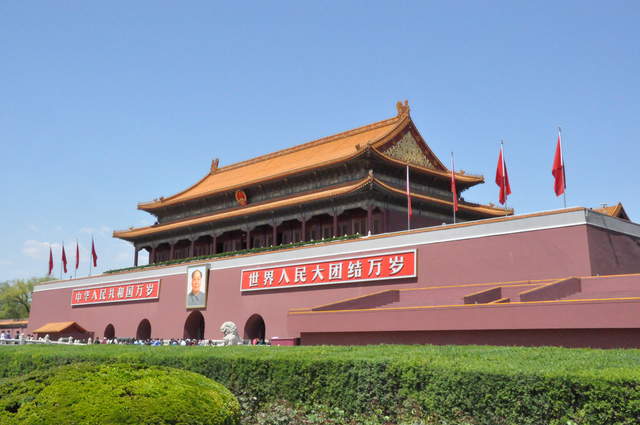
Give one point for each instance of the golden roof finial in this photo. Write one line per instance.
(403, 108)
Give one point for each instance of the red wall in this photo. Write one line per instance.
(542, 254)
(397, 221)
(613, 253)
(167, 316)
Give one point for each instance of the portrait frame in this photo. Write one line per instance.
(199, 299)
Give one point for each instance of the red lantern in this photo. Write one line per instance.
(241, 197)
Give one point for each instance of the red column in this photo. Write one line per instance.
(135, 257)
(152, 255)
(385, 221)
(191, 248)
(214, 248)
(369, 218)
(335, 224)
(248, 239)
(303, 236)
(171, 250)
(275, 234)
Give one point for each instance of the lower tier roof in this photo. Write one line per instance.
(333, 192)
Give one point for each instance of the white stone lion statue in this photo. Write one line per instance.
(230, 331)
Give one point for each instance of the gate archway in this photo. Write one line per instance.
(255, 327)
(144, 330)
(109, 332)
(194, 326)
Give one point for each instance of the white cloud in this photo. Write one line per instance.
(5, 262)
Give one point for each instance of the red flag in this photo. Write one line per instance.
(409, 209)
(560, 182)
(64, 259)
(94, 255)
(50, 260)
(77, 255)
(454, 192)
(502, 177)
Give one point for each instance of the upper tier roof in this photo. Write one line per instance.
(317, 153)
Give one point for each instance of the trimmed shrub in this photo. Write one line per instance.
(87, 393)
(438, 384)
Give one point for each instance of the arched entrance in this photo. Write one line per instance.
(144, 330)
(109, 332)
(254, 328)
(194, 326)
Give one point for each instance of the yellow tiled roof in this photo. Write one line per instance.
(318, 153)
(57, 327)
(613, 211)
(240, 211)
(6, 322)
(482, 209)
(314, 154)
(297, 200)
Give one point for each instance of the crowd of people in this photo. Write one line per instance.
(157, 341)
(173, 341)
(6, 337)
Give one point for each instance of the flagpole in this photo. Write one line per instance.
(564, 176)
(61, 265)
(408, 201)
(453, 170)
(504, 178)
(91, 255)
(77, 257)
(50, 265)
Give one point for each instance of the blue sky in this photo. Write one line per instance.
(107, 104)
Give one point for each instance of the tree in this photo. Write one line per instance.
(15, 297)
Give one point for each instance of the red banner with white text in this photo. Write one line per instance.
(395, 265)
(121, 292)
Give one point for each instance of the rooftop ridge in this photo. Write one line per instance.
(156, 203)
(312, 143)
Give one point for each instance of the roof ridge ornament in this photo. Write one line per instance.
(403, 108)
(214, 165)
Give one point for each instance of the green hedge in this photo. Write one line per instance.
(87, 393)
(451, 384)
